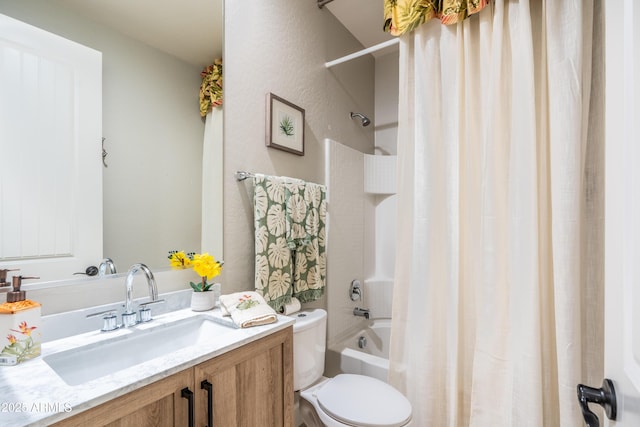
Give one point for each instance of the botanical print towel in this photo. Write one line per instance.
(247, 309)
(289, 219)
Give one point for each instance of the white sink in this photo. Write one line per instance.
(138, 345)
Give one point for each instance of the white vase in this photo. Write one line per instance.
(203, 301)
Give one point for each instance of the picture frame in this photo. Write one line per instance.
(285, 125)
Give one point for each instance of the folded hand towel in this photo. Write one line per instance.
(247, 309)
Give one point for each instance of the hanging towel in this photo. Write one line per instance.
(247, 309)
(289, 217)
(306, 215)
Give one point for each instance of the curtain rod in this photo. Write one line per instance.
(362, 52)
(321, 3)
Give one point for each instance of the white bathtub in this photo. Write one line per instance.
(371, 360)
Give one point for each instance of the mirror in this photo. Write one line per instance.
(152, 56)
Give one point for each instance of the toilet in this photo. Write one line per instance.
(347, 400)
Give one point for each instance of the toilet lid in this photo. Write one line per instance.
(363, 401)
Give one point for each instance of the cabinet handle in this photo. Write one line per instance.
(206, 385)
(188, 394)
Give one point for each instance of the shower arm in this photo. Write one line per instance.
(321, 3)
(364, 119)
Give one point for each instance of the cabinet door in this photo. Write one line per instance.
(157, 405)
(252, 385)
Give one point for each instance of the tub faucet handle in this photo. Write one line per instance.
(355, 291)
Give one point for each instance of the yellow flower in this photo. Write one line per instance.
(179, 260)
(11, 338)
(206, 265)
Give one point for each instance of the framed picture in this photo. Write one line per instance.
(285, 125)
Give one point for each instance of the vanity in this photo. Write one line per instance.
(183, 368)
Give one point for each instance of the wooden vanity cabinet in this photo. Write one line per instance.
(250, 386)
(158, 404)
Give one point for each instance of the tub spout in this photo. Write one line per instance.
(363, 312)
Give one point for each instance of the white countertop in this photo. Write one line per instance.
(32, 394)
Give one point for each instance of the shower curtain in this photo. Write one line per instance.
(497, 311)
(211, 240)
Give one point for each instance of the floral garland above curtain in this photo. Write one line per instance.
(403, 16)
(211, 88)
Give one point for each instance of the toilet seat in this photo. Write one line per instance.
(358, 400)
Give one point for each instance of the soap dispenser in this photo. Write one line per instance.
(20, 321)
(3, 278)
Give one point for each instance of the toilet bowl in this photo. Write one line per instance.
(346, 400)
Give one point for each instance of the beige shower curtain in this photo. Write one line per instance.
(497, 311)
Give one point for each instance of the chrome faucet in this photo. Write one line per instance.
(363, 312)
(106, 263)
(129, 317)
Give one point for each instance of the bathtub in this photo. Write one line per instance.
(365, 352)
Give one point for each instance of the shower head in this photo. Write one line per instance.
(365, 119)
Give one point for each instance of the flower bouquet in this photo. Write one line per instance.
(206, 267)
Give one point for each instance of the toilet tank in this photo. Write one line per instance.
(309, 345)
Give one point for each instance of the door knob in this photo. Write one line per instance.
(605, 396)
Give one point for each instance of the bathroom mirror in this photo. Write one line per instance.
(152, 56)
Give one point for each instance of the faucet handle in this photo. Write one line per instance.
(110, 321)
(129, 319)
(355, 291)
(143, 306)
(145, 311)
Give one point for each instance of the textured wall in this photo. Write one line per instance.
(281, 46)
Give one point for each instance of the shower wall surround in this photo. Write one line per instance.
(345, 239)
(361, 235)
(362, 212)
